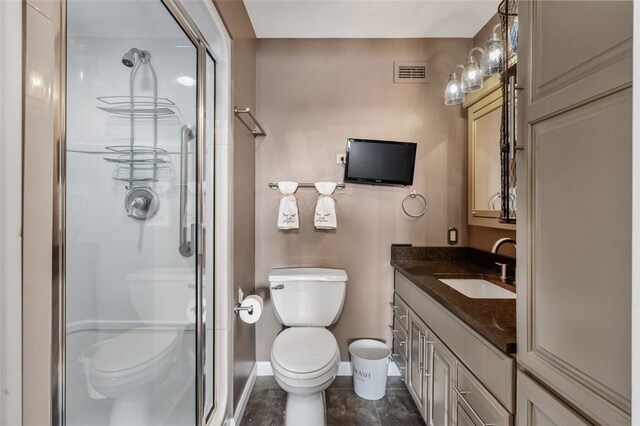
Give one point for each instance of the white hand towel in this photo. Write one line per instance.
(325, 217)
(288, 211)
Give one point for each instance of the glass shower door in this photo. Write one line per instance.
(131, 215)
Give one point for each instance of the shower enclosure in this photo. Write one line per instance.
(136, 312)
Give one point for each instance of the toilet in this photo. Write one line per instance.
(305, 356)
(129, 367)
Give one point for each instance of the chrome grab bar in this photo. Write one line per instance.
(461, 395)
(396, 310)
(186, 247)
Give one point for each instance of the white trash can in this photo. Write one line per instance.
(369, 362)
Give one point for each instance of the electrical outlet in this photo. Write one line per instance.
(340, 158)
(452, 236)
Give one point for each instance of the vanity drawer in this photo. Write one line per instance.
(478, 402)
(400, 311)
(400, 361)
(399, 338)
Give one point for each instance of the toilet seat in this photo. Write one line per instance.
(305, 355)
(133, 355)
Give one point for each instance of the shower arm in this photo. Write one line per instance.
(132, 79)
(155, 117)
(144, 59)
(186, 247)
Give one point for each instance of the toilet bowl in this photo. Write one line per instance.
(133, 359)
(305, 357)
(127, 367)
(135, 367)
(305, 361)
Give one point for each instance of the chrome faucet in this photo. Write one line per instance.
(504, 277)
(500, 242)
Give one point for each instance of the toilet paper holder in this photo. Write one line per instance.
(239, 308)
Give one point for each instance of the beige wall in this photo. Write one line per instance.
(483, 238)
(480, 237)
(312, 96)
(243, 70)
(485, 32)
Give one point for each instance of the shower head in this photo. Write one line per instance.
(129, 58)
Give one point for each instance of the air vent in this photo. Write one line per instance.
(410, 72)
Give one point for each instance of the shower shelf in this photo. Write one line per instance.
(140, 164)
(142, 155)
(147, 173)
(146, 161)
(127, 149)
(139, 112)
(138, 106)
(148, 100)
(135, 180)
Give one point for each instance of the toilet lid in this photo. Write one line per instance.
(304, 349)
(133, 348)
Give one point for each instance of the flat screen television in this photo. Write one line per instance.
(380, 162)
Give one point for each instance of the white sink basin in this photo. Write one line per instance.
(476, 288)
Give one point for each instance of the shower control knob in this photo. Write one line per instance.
(141, 203)
(138, 203)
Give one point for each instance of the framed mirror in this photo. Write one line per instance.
(485, 167)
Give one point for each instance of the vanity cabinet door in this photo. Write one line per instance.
(537, 407)
(416, 383)
(442, 368)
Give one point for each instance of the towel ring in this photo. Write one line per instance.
(414, 194)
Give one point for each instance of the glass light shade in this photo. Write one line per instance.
(471, 80)
(453, 94)
(491, 61)
(513, 37)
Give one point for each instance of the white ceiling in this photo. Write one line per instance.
(369, 18)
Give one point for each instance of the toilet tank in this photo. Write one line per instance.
(163, 295)
(307, 297)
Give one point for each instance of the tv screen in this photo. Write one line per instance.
(380, 162)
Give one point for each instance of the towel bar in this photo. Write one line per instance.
(274, 185)
(260, 131)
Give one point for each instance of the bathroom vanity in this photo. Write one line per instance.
(456, 352)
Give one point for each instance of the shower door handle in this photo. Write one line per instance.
(186, 246)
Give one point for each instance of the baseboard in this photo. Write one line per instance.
(264, 369)
(244, 397)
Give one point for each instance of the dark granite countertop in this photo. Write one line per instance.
(493, 319)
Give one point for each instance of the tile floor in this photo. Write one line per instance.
(266, 406)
